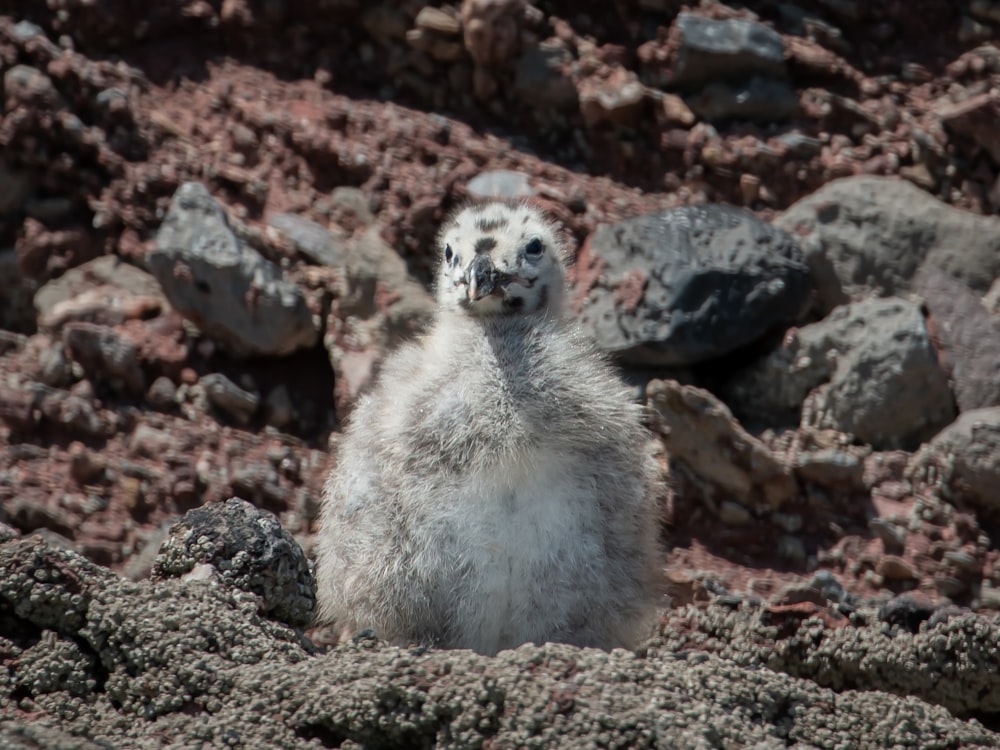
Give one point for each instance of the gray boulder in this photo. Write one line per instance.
(869, 236)
(689, 284)
(869, 369)
(222, 285)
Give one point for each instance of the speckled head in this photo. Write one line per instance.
(500, 259)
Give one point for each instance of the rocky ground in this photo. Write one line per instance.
(216, 217)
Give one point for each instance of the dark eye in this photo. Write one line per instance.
(448, 254)
(534, 248)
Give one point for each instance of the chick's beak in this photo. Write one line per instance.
(484, 279)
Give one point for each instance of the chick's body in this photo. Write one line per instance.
(495, 487)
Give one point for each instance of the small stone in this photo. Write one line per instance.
(618, 99)
(85, 466)
(500, 183)
(438, 20)
(950, 586)
(224, 394)
(162, 394)
(676, 111)
(894, 568)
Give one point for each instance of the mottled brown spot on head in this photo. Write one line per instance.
(485, 244)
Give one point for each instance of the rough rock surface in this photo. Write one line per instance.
(245, 548)
(175, 664)
(870, 235)
(726, 50)
(969, 337)
(700, 432)
(860, 364)
(964, 459)
(688, 284)
(226, 288)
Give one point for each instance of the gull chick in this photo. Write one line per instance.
(496, 487)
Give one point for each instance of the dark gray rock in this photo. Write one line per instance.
(311, 239)
(246, 548)
(869, 370)
(691, 284)
(758, 99)
(725, 50)
(223, 286)
(969, 336)
(867, 236)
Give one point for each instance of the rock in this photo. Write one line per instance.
(491, 30)
(310, 239)
(725, 50)
(221, 671)
(105, 354)
(969, 337)
(377, 305)
(104, 290)
(436, 33)
(758, 99)
(543, 77)
(500, 183)
(976, 117)
(222, 285)
(162, 394)
(831, 467)
(895, 568)
(869, 236)
(701, 433)
(247, 549)
(31, 405)
(864, 360)
(225, 395)
(964, 460)
(618, 99)
(689, 284)
(441, 21)
(30, 87)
